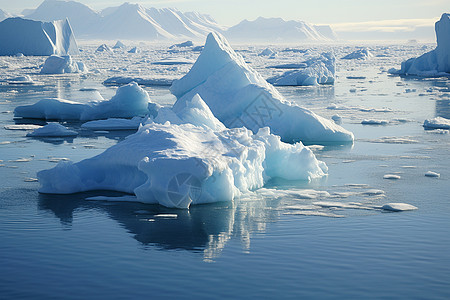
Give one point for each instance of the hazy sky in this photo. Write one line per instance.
(230, 12)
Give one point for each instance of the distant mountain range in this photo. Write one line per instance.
(135, 22)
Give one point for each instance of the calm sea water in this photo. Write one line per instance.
(55, 246)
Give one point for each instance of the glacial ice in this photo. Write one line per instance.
(30, 37)
(52, 130)
(55, 64)
(239, 96)
(176, 165)
(359, 54)
(129, 101)
(435, 62)
(320, 70)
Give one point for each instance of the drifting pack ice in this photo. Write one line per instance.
(176, 165)
(239, 96)
(319, 70)
(30, 37)
(435, 62)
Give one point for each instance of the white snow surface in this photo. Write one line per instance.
(55, 64)
(433, 63)
(239, 96)
(129, 101)
(177, 165)
(52, 130)
(437, 123)
(320, 70)
(30, 37)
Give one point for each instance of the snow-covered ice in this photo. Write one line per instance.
(392, 176)
(30, 37)
(432, 174)
(52, 130)
(129, 101)
(239, 96)
(359, 54)
(437, 123)
(176, 165)
(398, 207)
(114, 124)
(55, 64)
(318, 71)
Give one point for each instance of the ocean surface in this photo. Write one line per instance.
(325, 239)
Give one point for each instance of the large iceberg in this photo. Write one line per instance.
(129, 101)
(319, 70)
(176, 165)
(30, 37)
(239, 96)
(435, 62)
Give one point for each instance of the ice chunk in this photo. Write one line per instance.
(52, 130)
(319, 71)
(134, 50)
(398, 207)
(55, 64)
(36, 38)
(182, 45)
(437, 123)
(173, 61)
(129, 101)
(374, 122)
(391, 176)
(114, 124)
(22, 127)
(120, 80)
(104, 48)
(239, 96)
(359, 54)
(267, 52)
(435, 62)
(119, 45)
(26, 79)
(176, 165)
(432, 174)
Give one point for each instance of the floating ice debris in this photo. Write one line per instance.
(267, 52)
(290, 66)
(239, 96)
(359, 54)
(104, 48)
(319, 71)
(119, 45)
(373, 192)
(176, 165)
(395, 140)
(55, 64)
(391, 176)
(114, 124)
(374, 122)
(334, 204)
(134, 50)
(30, 179)
(129, 101)
(432, 174)
(182, 45)
(122, 80)
(26, 79)
(439, 131)
(22, 127)
(398, 207)
(52, 130)
(313, 213)
(173, 61)
(21, 160)
(437, 123)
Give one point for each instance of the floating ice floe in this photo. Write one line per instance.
(437, 123)
(359, 54)
(432, 174)
(30, 37)
(182, 45)
(392, 176)
(22, 127)
(398, 207)
(374, 122)
(318, 71)
(178, 165)
(55, 64)
(115, 124)
(433, 63)
(52, 130)
(239, 96)
(25, 79)
(173, 61)
(129, 101)
(121, 80)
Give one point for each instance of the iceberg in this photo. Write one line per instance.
(177, 165)
(55, 64)
(239, 96)
(437, 123)
(129, 101)
(435, 62)
(318, 71)
(30, 37)
(359, 54)
(104, 48)
(119, 45)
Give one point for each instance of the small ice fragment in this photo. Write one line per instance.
(391, 176)
(374, 122)
(432, 174)
(373, 192)
(398, 207)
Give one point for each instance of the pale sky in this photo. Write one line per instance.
(230, 12)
